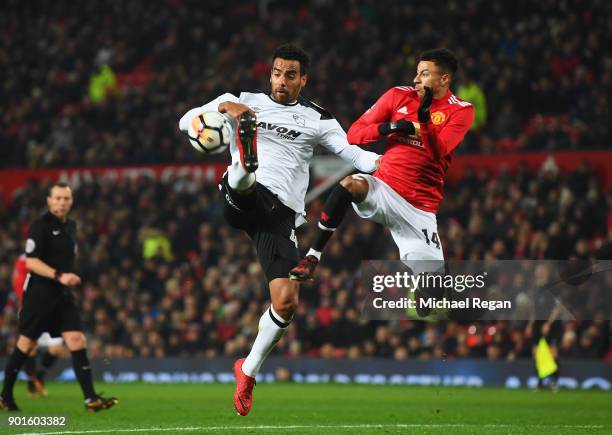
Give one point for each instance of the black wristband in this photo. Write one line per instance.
(57, 275)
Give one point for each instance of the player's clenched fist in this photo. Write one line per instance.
(425, 105)
(399, 126)
(234, 109)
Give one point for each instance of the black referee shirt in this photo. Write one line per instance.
(53, 242)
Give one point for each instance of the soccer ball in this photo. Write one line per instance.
(209, 132)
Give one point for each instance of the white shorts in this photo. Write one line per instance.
(45, 340)
(414, 231)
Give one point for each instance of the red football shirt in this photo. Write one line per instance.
(20, 272)
(414, 165)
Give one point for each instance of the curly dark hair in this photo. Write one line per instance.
(293, 52)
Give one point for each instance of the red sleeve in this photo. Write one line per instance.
(19, 276)
(365, 129)
(446, 140)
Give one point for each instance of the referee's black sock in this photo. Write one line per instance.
(82, 370)
(333, 212)
(11, 371)
(47, 362)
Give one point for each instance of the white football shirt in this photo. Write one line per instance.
(287, 135)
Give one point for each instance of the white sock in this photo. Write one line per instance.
(314, 253)
(270, 331)
(237, 177)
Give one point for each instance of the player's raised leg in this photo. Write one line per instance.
(273, 325)
(239, 185)
(243, 147)
(247, 141)
(350, 189)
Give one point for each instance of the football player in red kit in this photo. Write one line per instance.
(423, 125)
(20, 273)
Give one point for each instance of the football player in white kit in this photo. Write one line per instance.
(265, 186)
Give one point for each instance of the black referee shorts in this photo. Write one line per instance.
(268, 222)
(48, 309)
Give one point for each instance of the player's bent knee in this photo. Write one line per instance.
(75, 340)
(26, 344)
(347, 182)
(357, 187)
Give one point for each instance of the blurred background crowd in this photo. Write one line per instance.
(104, 82)
(164, 275)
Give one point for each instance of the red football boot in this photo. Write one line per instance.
(243, 395)
(305, 269)
(247, 141)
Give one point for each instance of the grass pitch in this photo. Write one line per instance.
(321, 409)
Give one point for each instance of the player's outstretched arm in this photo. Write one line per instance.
(333, 137)
(186, 119)
(235, 110)
(367, 128)
(362, 160)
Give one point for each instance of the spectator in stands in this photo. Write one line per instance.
(187, 304)
(47, 70)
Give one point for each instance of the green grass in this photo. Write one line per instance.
(332, 409)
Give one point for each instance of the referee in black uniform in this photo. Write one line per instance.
(48, 303)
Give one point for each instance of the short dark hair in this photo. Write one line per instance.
(293, 52)
(443, 58)
(56, 184)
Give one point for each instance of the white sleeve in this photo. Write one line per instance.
(213, 105)
(333, 137)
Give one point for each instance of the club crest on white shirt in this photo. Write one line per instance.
(299, 120)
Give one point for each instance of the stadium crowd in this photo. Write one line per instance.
(98, 83)
(165, 276)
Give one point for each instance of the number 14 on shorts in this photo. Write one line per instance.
(434, 238)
